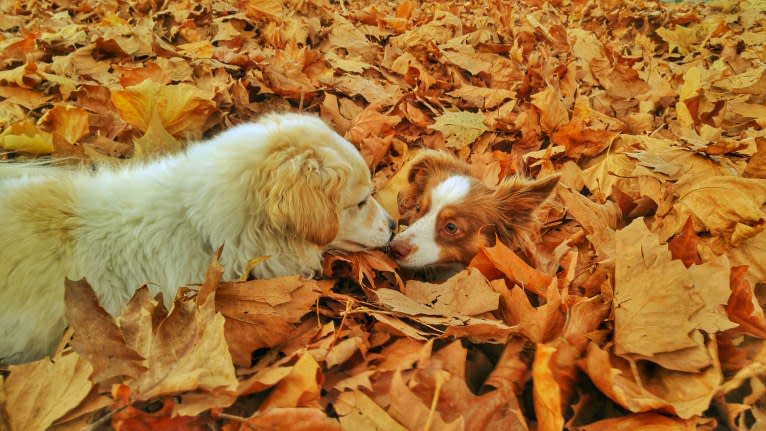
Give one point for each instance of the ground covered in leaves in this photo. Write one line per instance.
(646, 308)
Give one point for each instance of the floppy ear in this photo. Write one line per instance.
(518, 199)
(421, 168)
(303, 198)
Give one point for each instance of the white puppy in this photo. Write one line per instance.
(286, 186)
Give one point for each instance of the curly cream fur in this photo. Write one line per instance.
(286, 186)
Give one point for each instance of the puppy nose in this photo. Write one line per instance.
(391, 224)
(400, 249)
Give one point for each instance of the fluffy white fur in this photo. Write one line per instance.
(286, 186)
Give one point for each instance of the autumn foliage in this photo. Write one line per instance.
(645, 309)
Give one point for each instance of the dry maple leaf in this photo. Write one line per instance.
(648, 285)
(129, 418)
(357, 411)
(98, 338)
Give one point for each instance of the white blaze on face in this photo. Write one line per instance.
(422, 233)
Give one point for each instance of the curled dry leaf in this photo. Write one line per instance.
(501, 260)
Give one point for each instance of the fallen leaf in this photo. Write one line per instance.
(300, 388)
(743, 307)
(648, 282)
(684, 245)
(38, 393)
(25, 137)
(97, 337)
(460, 129)
(183, 109)
(296, 419)
(358, 411)
(501, 258)
(547, 398)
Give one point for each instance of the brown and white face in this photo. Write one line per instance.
(444, 225)
(451, 214)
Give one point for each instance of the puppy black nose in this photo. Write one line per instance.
(400, 249)
(391, 224)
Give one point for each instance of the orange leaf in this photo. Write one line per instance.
(684, 245)
(579, 141)
(133, 419)
(742, 307)
(503, 259)
(547, 397)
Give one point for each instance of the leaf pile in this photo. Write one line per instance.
(646, 307)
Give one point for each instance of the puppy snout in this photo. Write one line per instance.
(400, 249)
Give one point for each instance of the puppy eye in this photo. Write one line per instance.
(361, 204)
(417, 208)
(451, 228)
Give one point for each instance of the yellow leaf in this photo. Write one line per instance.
(67, 121)
(358, 411)
(156, 140)
(181, 108)
(25, 137)
(300, 388)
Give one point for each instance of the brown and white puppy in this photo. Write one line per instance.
(287, 187)
(451, 214)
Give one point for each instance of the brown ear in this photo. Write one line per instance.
(518, 201)
(304, 198)
(422, 168)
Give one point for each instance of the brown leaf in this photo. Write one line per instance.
(263, 313)
(189, 353)
(579, 141)
(467, 293)
(643, 421)
(97, 337)
(364, 264)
